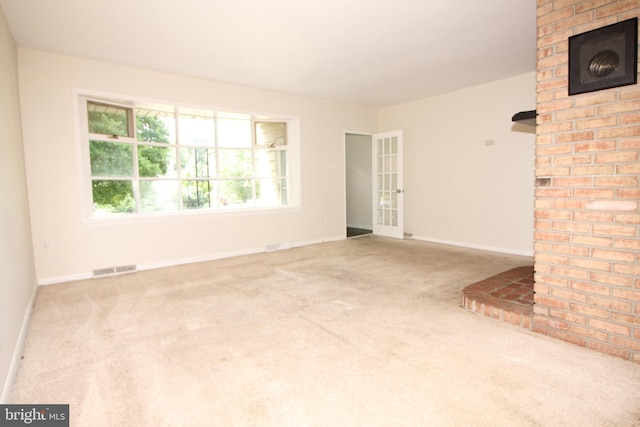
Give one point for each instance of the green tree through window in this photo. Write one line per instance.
(109, 159)
(168, 158)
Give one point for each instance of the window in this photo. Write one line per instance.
(146, 158)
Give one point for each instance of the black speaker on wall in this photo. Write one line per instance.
(604, 58)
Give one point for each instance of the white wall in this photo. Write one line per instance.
(74, 248)
(457, 189)
(17, 277)
(359, 181)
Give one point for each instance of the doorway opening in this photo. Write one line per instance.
(359, 184)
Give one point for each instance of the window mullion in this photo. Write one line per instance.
(136, 171)
(254, 182)
(107, 138)
(176, 112)
(217, 152)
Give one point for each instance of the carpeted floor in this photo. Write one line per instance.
(361, 332)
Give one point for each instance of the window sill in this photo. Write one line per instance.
(159, 217)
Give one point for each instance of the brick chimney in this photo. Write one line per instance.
(587, 230)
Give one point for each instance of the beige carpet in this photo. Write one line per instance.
(362, 332)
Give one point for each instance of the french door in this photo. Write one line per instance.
(388, 192)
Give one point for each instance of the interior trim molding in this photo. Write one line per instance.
(184, 261)
(62, 279)
(472, 246)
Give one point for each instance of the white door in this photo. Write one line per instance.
(388, 193)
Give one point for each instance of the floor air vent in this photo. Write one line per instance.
(101, 272)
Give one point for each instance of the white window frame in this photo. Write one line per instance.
(82, 97)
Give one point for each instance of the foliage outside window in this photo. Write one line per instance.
(163, 158)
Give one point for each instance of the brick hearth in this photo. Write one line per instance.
(507, 296)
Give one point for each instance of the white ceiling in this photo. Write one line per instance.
(373, 53)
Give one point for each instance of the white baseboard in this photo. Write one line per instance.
(472, 246)
(334, 238)
(211, 257)
(17, 352)
(183, 261)
(307, 243)
(205, 258)
(62, 279)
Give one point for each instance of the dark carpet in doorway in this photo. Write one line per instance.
(352, 231)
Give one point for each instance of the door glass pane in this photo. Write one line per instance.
(388, 200)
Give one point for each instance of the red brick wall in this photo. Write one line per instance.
(587, 231)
